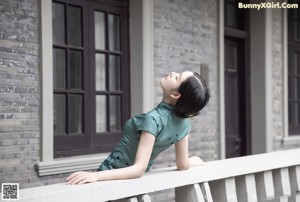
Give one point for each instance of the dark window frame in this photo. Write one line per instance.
(293, 71)
(90, 142)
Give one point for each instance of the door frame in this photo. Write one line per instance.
(221, 40)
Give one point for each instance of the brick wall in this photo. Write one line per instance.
(277, 81)
(183, 43)
(20, 94)
(185, 35)
(19, 88)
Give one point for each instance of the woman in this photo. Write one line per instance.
(147, 135)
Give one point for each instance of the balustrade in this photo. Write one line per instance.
(270, 177)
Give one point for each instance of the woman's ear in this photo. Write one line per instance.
(175, 95)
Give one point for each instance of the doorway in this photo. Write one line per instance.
(236, 81)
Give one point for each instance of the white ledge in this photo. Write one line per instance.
(291, 140)
(162, 179)
(70, 164)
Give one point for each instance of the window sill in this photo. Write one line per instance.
(291, 140)
(70, 164)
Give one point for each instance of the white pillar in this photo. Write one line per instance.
(189, 193)
(144, 198)
(246, 189)
(295, 183)
(206, 192)
(261, 78)
(131, 199)
(224, 190)
(141, 198)
(282, 182)
(264, 186)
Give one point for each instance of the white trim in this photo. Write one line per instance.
(268, 80)
(261, 80)
(285, 73)
(222, 152)
(141, 55)
(291, 140)
(46, 82)
(148, 58)
(70, 164)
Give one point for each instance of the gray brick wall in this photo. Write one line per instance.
(185, 35)
(19, 88)
(20, 93)
(277, 77)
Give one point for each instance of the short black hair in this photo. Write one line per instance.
(194, 96)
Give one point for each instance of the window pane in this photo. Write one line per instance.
(101, 123)
(298, 88)
(290, 95)
(297, 113)
(59, 122)
(296, 31)
(75, 114)
(58, 23)
(231, 15)
(74, 26)
(114, 32)
(290, 61)
(59, 68)
(114, 72)
(75, 70)
(290, 113)
(99, 30)
(115, 113)
(297, 63)
(231, 56)
(100, 72)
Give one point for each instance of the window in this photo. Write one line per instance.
(234, 17)
(90, 75)
(294, 70)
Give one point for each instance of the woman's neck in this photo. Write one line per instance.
(169, 101)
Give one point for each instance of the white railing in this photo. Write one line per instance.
(270, 177)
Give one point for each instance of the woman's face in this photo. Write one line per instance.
(173, 80)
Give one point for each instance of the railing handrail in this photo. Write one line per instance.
(162, 179)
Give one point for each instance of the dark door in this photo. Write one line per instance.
(237, 80)
(234, 94)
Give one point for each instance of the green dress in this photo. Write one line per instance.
(161, 122)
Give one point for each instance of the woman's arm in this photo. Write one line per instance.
(142, 158)
(183, 162)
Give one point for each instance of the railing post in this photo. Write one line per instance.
(282, 184)
(141, 198)
(131, 199)
(144, 198)
(189, 193)
(206, 192)
(245, 188)
(295, 183)
(264, 186)
(224, 190)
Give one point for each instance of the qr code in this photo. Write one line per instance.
(10, 191)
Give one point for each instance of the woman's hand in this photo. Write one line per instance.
(82, 177)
